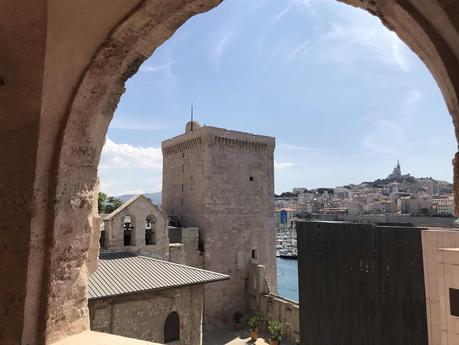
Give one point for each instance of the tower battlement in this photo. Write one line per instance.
(192, 139)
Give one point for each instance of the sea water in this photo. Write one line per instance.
(287, 278)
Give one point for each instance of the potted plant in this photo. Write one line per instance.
(253, 323)
(275, 332)
(237, 316)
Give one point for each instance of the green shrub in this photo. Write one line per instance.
(254, 322)
(275, 330)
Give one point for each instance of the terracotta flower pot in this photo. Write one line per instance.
(254, 334)
(273, 342)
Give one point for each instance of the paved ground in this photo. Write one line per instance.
(229, 337)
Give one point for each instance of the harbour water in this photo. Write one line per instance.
(287, 278)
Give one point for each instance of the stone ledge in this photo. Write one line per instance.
(98, 338)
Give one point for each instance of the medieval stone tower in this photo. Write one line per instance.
(223, 182)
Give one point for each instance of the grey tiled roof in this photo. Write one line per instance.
(126, 273)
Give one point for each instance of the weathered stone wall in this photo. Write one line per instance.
(223, 182)
(142, 315)
(186, 252)
(138, 210)
(271, 306)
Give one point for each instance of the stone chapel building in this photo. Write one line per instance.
(143, 287)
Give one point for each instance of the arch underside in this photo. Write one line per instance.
(119, 57)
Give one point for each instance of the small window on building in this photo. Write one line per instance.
(254, 253)
(454, 302)
(182, 187)
(251, 178)
(128, 227)
(150, 235)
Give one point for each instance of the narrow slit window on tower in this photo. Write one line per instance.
(454, 302)
(254, 253)
(182, 187)
(251, 178)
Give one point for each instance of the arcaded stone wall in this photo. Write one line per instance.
(138, 210)
(233, 175)
(62, 70)
(142, 315)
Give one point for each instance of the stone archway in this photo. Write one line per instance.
(428, 27)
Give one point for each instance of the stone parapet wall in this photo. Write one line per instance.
(271, 306)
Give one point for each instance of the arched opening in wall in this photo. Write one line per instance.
(150, 230)
(123, 66)
(172, 328)
(129, 230)
(102, 243)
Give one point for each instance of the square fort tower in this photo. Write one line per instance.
(223, 182)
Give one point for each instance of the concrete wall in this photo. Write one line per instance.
(271, 306)
(138, 210)
(223, 182)
(142, 315)
(432, 241)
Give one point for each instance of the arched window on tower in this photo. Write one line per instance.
(150, 230)
(128, 230)
(172, 328)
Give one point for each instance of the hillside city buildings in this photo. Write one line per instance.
(396, 195)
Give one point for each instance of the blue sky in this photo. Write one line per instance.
(344, 97)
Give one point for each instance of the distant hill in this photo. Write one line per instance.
(154, 197)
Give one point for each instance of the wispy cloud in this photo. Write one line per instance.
(357, 34)
(385, 137)
(412, 101)
(295, 147)
(222, 43)
(284, 165)
(301, 48)
(281, 14)
(156, 68)
(135, 125)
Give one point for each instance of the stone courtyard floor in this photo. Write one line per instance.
(225, 336)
